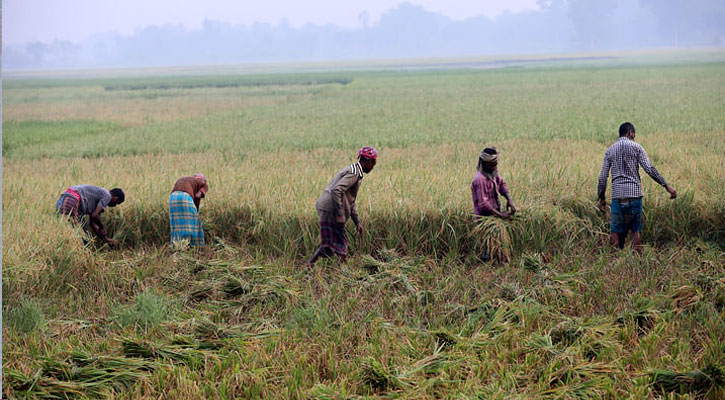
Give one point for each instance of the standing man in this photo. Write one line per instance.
(337, 204)
(81, 200)
(184, 209)
(624, 158)
(487, 185)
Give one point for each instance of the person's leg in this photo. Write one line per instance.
(326, 235)
(635, 224)
(637, 242)
(321, 252)
(616, 226)
(614, 240)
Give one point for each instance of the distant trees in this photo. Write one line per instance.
(404, 31)
(591, 19)
(689, 20)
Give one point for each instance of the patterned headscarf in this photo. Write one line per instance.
(205, 188)
(368, 152)
(487, 156)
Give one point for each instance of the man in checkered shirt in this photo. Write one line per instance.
(624, 158)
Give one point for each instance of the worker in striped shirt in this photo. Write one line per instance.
(337, 204)
(623, 158)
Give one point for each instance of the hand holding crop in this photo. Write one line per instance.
(504, 215)
(603, 205)
(360, 229)
(113, 243)
(511, 207)
(671, 191)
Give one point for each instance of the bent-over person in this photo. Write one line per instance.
(81, 200)
(184, 203)
(337, 204)
(624, 158)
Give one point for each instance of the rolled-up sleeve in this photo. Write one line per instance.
(502, 187)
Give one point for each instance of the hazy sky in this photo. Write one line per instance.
(76, 20)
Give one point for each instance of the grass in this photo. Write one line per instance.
(25, 317)
(148, 309)
(414, 313)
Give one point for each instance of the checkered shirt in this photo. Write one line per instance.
(624, 158)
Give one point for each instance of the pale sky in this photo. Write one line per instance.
(76, 20)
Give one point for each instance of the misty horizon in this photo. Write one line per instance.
(404, 31)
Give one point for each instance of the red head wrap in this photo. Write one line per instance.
(368, 152)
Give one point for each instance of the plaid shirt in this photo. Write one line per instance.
(624, 158)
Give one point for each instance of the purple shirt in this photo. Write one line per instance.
(485, 193)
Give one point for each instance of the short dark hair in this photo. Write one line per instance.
(625, 128)
(118, 193)
(490, 150)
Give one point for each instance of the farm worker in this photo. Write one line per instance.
(487, 185)
(81, 200)
(624, 158)
(184, 209)
(337, 204)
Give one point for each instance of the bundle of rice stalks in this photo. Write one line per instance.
(399, 281)
(273, 290)
(565, 333)
(685, 298)
(204, 328)
(180, 353)
(534, 262)
(235, 286)
(491, 237)
(644, 317)
(542, 343)
(201, 292)
(594, 388)
(431, 364)
(373, 265)
(81, 375)
(699, 382)
(207, 329)
(378, 377)
(388, 255)
(510, 291)
(322, 391)
(41, 387)
(582, 370)
(444, 339)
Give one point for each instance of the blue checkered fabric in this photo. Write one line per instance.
(184, 219)
(624, 158)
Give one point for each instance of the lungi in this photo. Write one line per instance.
(68, 205)
(184, 219)
(332, 233)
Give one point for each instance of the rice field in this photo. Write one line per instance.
(415, 312)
